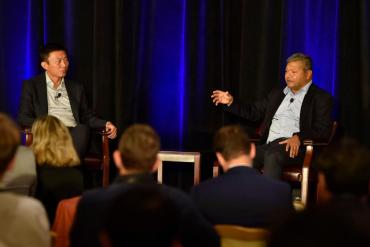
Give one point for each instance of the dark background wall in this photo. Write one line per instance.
(157, 61)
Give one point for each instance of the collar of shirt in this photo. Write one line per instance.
(303, 90)
(238, 165)
(50, 83)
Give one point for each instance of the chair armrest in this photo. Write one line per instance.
(309, 145)
(105, 140)
(318, 142)
(254, 139)
(105, 153)
(27, 133)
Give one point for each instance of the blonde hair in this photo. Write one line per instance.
(52, 143)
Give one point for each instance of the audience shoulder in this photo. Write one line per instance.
(182, 200)
(30, 220)
(34, 210)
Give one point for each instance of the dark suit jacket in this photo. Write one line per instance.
(34, 102)
(242, 196)
(315, 117)
(93, 206)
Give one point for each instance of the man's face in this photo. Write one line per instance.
(296, 76)
(57, 64)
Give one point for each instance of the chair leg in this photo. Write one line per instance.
(306, 174)
(105, 168)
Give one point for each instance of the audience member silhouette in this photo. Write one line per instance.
(136, 159)
(240, 196)
(142, 216)
(58, 172)
(23, 219)
(329, 225)
(344, 172)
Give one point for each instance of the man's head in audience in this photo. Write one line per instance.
(344, 170)
(233, 147)
(141, 216)
(327, 225)
(9, 142)
(137, 150)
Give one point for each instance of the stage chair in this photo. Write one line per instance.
(191, 158)
(300, 173)
(238, 236)
(92, 162)
(303, 174)
(100, 162)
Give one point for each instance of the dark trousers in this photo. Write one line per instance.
(81, 138)
(272, 158)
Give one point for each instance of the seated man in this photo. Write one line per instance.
(51, 93)
(136, 159)
(241, 196)
(23, 219)
(300, 111)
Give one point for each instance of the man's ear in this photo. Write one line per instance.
(309, 74)
(156, 164)
(221, 161)
(252, 153)
(44, 65)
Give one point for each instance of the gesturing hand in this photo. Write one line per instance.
(292, 145)
(221, 97)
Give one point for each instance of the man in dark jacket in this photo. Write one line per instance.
(240, 196)
(300, 111)
(52, 94)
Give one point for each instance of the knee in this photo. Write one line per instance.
(83, 128)
(273, 156)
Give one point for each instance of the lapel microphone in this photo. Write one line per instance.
(291, 100)
(58, 95)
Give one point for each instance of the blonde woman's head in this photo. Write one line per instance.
(52, 143)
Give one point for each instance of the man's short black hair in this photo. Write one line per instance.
(49, 48)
